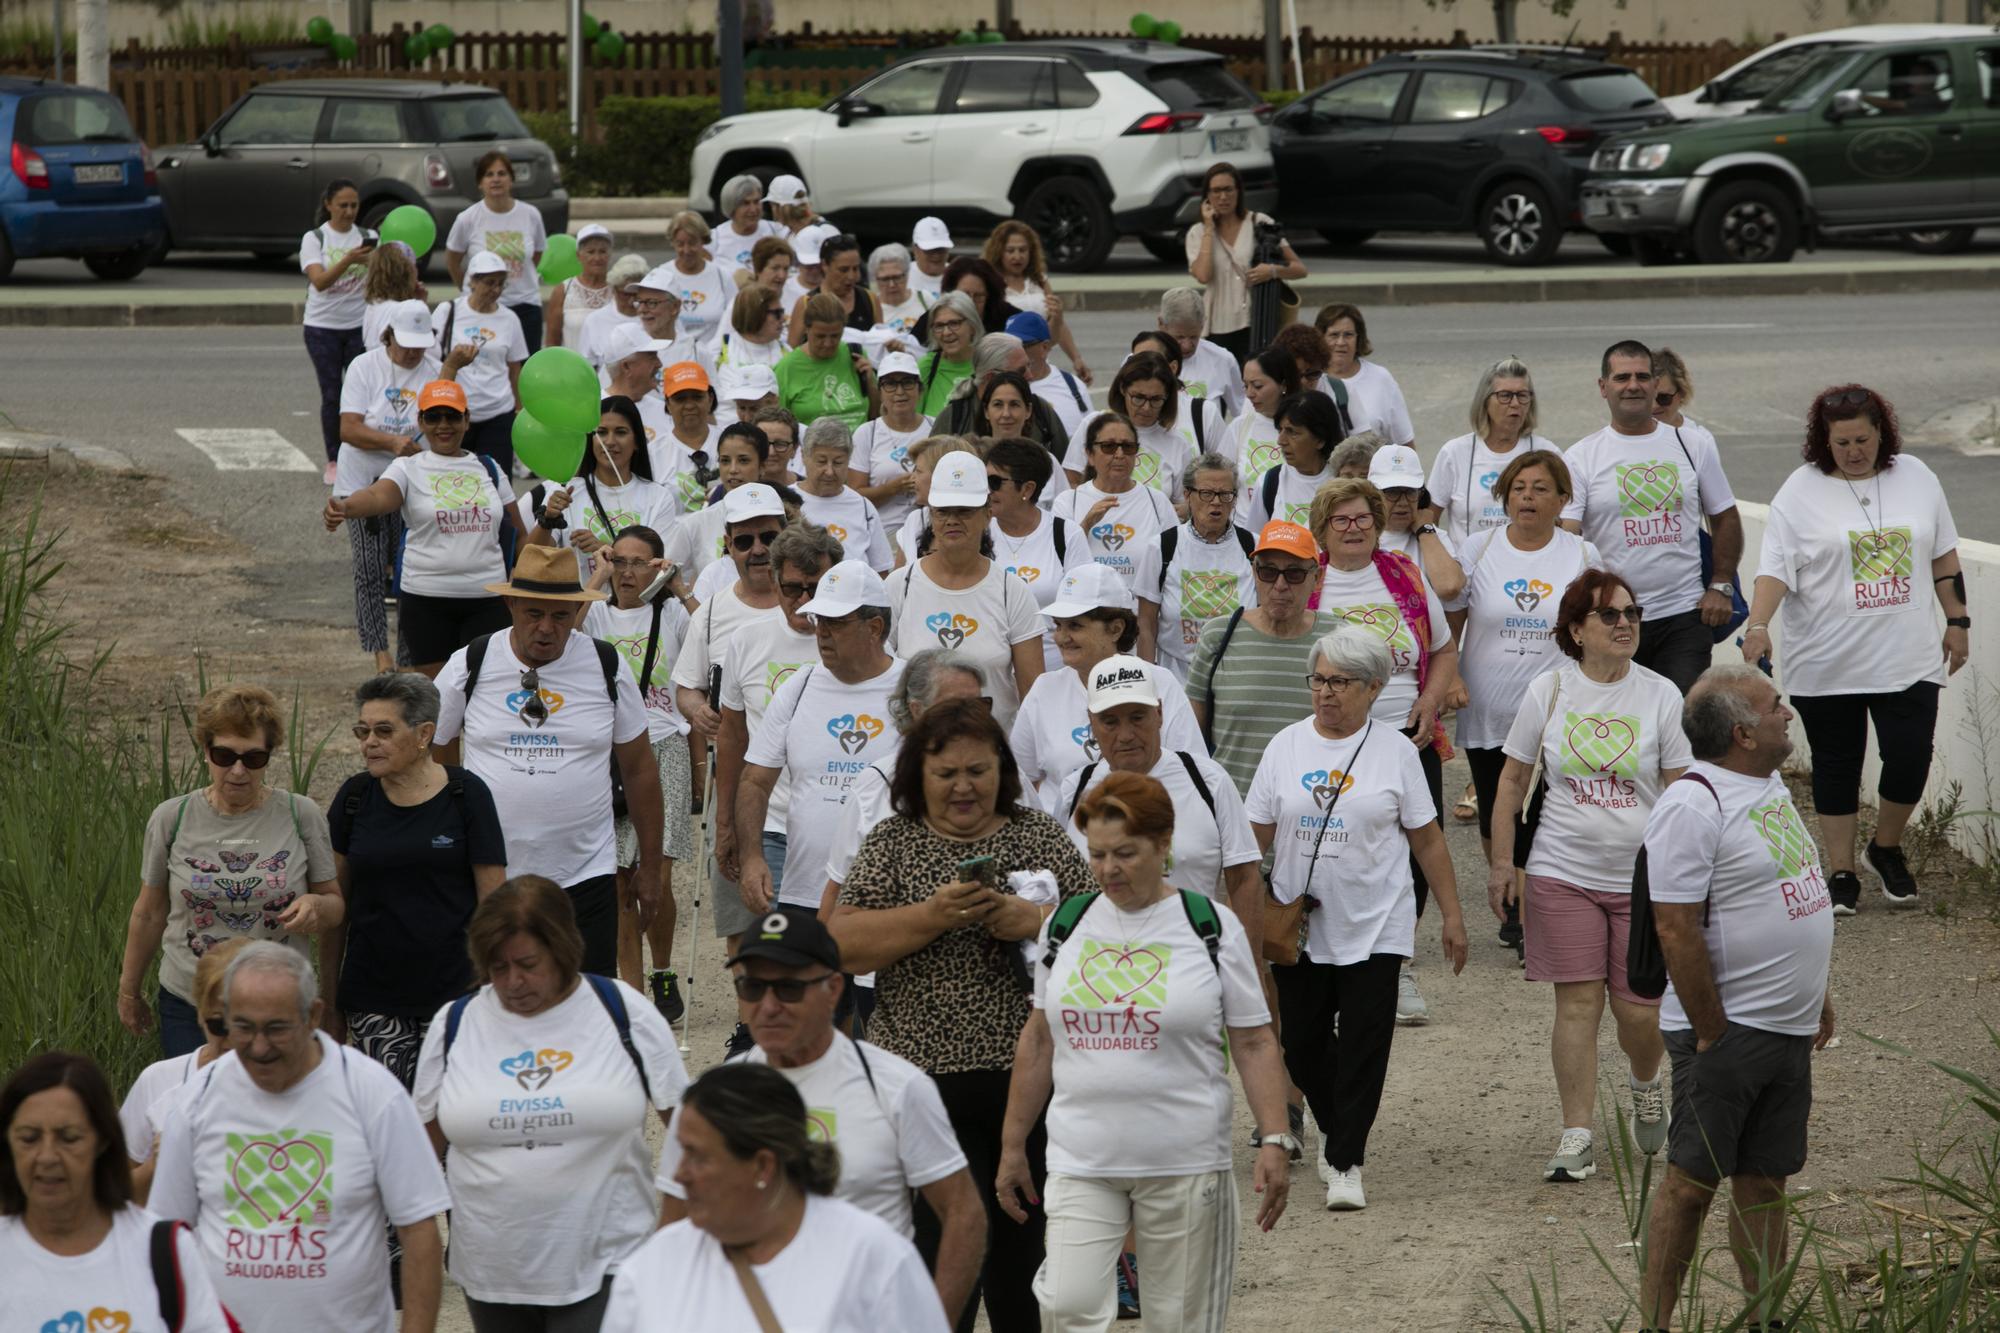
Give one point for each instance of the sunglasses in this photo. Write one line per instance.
(1609, 616)
(1852, 398)
(1130, 448)
(798, 591)
(215, 1027)
(441, 416)
(534, 709)
(1665, 399)
(745, 541)
(704, 471)
(789, 991)
(993, 483)
(226, 758)
(1292, 574)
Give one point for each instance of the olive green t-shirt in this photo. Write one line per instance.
(1259, 691)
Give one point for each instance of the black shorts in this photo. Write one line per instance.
(1740, 1107)
(436, 627)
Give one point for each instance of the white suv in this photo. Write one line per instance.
(1083, 140)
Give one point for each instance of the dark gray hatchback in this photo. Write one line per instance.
(255, 179)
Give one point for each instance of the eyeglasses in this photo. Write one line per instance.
(789, 991)
(1130, 448)
(1351, 522)
(441, 416)
(1513, 395)
(1334, 337)
(1153, 400)
(534, 708)
(1666, 399)
(745, 541)
(1331, 684)
(1609, 616)
(1852, 398)
(650, 304)
(898, 384)
(798, 592)
(1214, 497)
(362, 731)
(835, 622)
(215, 1027)
(253, 760)
(1292, 574)
(630, 562)
(946, 325)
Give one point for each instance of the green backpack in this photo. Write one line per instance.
(1200, 914)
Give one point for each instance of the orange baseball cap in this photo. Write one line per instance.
(681, 377)
(441, 393)
(1289, 538)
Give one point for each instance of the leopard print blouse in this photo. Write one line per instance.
(954, 1006)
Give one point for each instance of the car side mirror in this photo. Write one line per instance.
(211, 144)
(1710, 93)
(857, 109)
(1847, 102)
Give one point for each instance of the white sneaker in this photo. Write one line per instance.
(1343, 1190)
(1411, 1011)
(1649, 1117)
(1575, 1159)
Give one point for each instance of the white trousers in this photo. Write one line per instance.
(1185, 1239)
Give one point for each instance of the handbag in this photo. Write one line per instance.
(753, 1291)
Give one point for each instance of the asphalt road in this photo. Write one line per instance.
(1756, 362)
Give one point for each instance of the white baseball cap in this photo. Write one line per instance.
(846, 588)
(959, 482)
(485, 262)
(806, 244)
(786, 190)
(593, 231)
(897, 363)
(630, 340)
(931, 234)
(746, 383)
(1122, 680)
(1084, 589)
(753, 499)
(1394, 466)
(659, 278)
(411, 323)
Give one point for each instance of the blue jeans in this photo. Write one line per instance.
(774, 856)
(331, 350)
(180, 1026)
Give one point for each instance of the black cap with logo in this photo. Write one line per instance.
(794, 936)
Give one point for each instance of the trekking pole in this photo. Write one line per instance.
(702, 850)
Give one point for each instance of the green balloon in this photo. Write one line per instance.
(990, 35)
(560, 388)
(417, 47)
(1144, 24)
(610, 45)
(411, 225)
(343, 47)
(591, 28)
(552, 453)
(559, 261)
(965, 37)
(440, 36)
(1168, 32)
(319, 31)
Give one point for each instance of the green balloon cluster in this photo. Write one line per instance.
(1144, 25)
(1168, 32)
(992, 35)
(411, 225)
(343, 47)
(551, 453)
(319, 31)
(559, 409)
(417, 47)
(965, 37)
(440, 36)
(591, 27)
(559, 261)
(609, 45)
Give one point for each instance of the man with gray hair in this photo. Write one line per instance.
(288, 1155)
(1207, 368)
(1195, 572)
(1746, 927)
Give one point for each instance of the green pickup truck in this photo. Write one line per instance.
(1901, 138)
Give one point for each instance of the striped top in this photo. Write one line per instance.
(1261, 689)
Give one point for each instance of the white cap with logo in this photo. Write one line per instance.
(786, 190)
(807, 243)
(411, 322)
(593, 231)
(1396, 467)
(931, 234)
(1122, 680)
(659, 278)
(1084, 589)
(845, 589)
(897, 363)
(751, 500)
(959, 482)
(747, 383)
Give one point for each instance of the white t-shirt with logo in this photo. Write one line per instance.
(1769, 935)
(1212, 373)
(1136, 1011)
(610, 510)
(546, 1119)
(342, 305)
(517, 236)
(141, 1114)
(1122, 534)
(711, 581)
(845, 1271)
(1360, 597)
(1055, 390)
(891, 1129)
(1292, 500)
(733, 349)
(1462, 479)
(706, 298)
(732, 249)
(1033, 560)
(489, 390)
(452, 508)
(854, 522)
(1051, 737)
(756, 665)
(628, 630)
(1164, 451)
(1206, 579)
(1360, 874)
(1510, 601)
(821, 732)
(710, 633)
(1641, 506)
(867, 805)
(384, 395)
(695, 541)
(1375, 402)
(1205, 842)
(1602, 748)
(903, 318)
(981, 624)
(673, 462)
(1860, 615)
(552, 783)
(289, 1192)
(882, 454)
(1251, 443)
(108, 1290)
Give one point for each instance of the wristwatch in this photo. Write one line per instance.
(1427, 530)
(1285, 1141)
(1958, 622)
(1726, 589)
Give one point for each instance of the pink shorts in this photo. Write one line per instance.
(1577, 934)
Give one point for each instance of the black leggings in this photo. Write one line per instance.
(1486, 766)
(976, 1102)
(1837, 730)
(436, 627)
(1434, 779)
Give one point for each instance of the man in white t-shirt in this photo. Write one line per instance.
(882, 1112)
(656, 298)
(288, 1157)
(930, 247)
(1207, 369)
(1641, 491)
(543, 711)
(1745, 922)
(598, 324)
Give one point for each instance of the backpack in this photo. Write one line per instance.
(607, 994)
(1645, 963)
(167, 1280)
(1200, 914)
(1197, 408)
(1170, 538)
(1215, 665)
(1187, 762)
(1056, 526)
(1075, 394)
(607, 658)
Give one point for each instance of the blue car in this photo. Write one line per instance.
(79, 184)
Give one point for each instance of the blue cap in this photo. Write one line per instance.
(1029, 327)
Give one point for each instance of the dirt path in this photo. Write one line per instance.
(1456, 1203)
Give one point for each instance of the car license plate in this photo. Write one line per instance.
(1596, 206)
(111, 174)
(1228, 141)
(523, 172)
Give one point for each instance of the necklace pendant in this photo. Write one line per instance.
(1864, 502)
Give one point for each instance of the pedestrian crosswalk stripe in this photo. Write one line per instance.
(248, 450)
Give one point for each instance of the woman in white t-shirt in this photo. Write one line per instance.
(489, 342)
(889, 269)
(956, 595)
(1853, 538)
(1146, 392)
(1463, 474)
(703, 286)
(1117, 516)
(1030, 542)
(392, 279)
(334, 257)
(75, 1240)
(1374, 400)
(741, 199)
(762, 1230)
(1201, 572)
(1605, 734)
(1351, 800)
(539, 1084)
(756, 332)
(454, 505)
(880, 467)
(1673, 390)
(576, 299)
(1136, 1006)
(1251, 440)
(1015, 252)
(1308, 431)
(160, 1085)
(513, 231)
(613, 490)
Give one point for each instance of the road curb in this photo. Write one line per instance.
(60, 453)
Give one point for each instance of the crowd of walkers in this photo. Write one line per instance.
(1037, 766)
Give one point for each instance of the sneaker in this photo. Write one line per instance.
(1649, 1117)
(1343, 1190)
(1845, 886)
(739, 1042)
(1899, 886)
(1411, 1011)
(1575, 1159)
(1511, 935)
(666, 991)
(326, 477)
(1128, 1285)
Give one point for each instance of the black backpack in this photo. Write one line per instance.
(607, 658)
(1187, 762)
(1645, 963)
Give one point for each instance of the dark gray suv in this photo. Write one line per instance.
(255, 179)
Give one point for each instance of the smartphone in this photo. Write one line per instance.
(979, 870)
(660, 580)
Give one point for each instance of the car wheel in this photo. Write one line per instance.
(1617, 243)
(1939, 240)
(1653, 251)
(1073, 221)
(6, 256)
(119, 267)
(1344, 240)
(1749, 222)
(1166, 246)
(1518, 224)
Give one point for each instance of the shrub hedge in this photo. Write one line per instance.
(646, 143)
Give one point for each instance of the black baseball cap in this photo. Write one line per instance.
(794, 936)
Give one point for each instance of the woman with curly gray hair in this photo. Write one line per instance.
(742, 202)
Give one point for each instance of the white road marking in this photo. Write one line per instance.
(253, 450)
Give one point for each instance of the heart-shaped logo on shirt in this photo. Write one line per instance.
(1880, 555)
(1648, 488)
(1025, 573)
(1147, 470)
(1791, 847)
(456, 490)
(854, 731)
(1083, 737)
(839, 533)
(1527, 593)
(274, 1178)
(109, 1321)
(71, 1322)
(1111, 535)
(1259, 459)
(951, 630)
(1381, 617)
(1207, 593)
(1601, 743)
(1321, 784)
(1110, 976)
